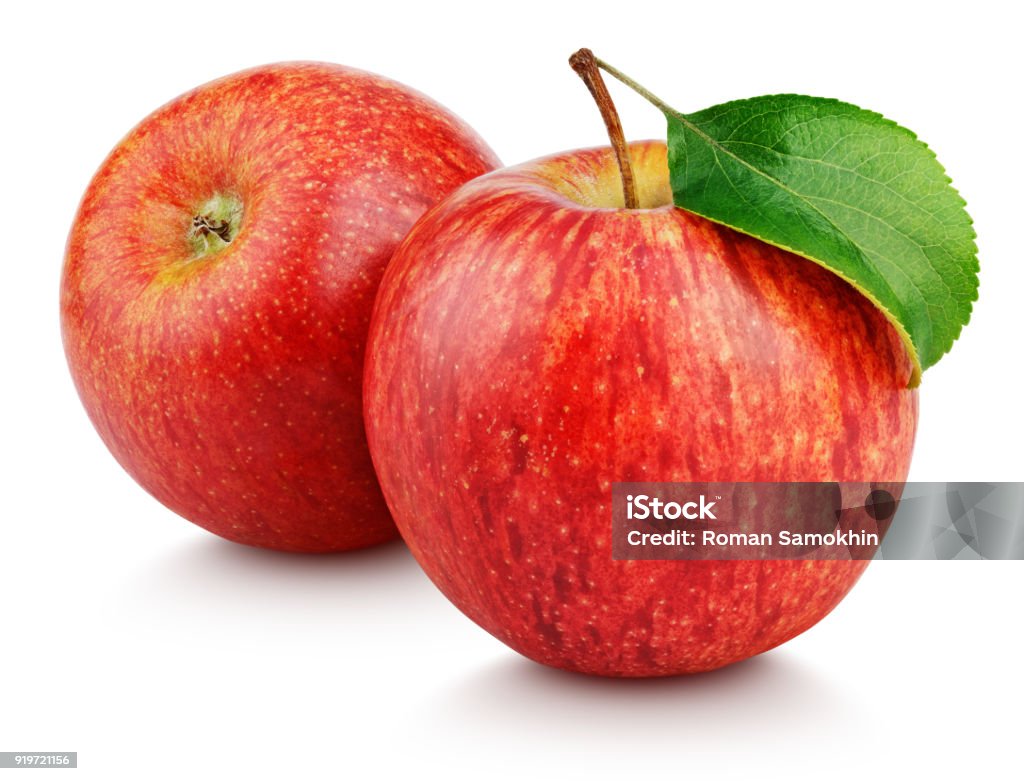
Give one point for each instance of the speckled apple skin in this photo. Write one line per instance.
(528, 349)
(230, 387)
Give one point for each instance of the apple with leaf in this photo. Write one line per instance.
(753, 301)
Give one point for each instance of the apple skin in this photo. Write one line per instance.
(533, 342)
(230, 385)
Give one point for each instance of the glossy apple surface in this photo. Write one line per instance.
(534, 342)
(218, 284)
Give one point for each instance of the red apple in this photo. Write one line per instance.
(217, 290)
(534, 342)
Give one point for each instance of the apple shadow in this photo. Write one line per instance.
(749, 703)
(209, 577)
(371, 601)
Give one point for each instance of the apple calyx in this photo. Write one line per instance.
(587, 68)
(214, 225)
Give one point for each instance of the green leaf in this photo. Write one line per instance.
(845, 188)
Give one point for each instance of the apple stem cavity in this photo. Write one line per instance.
(214, 225)
(587, 67)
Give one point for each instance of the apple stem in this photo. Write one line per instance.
(642, 91)
(587, 66)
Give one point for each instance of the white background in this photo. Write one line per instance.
(157, 650)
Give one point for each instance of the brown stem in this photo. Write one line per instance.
(585, 65)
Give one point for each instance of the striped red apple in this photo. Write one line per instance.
(217, 290)
(534, 341)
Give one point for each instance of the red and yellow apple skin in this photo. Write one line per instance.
(533, 342)
(227, 381)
